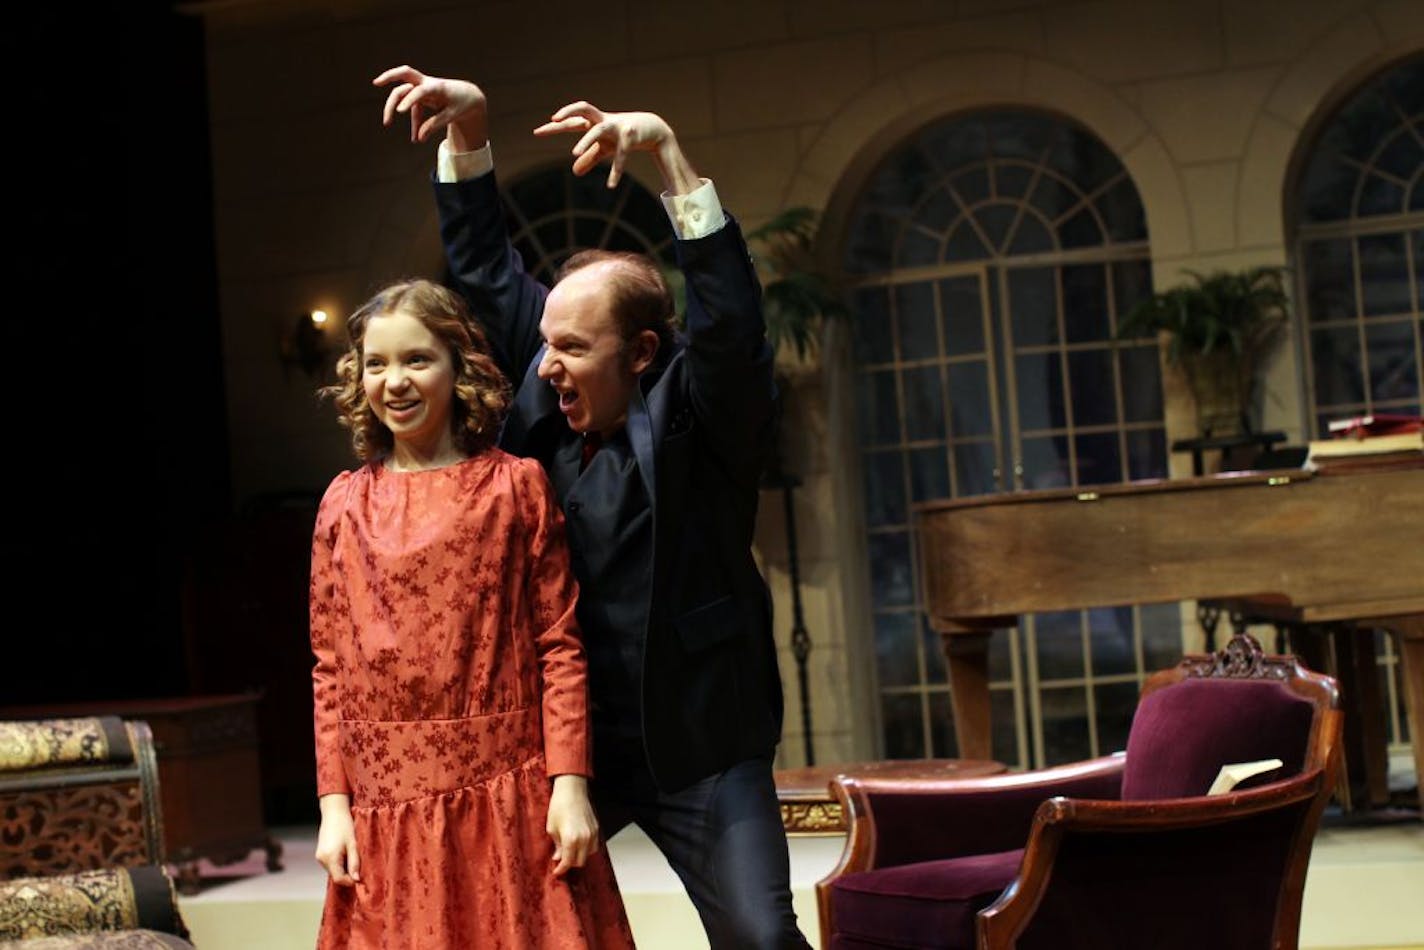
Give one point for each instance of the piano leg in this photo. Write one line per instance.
(1409, 639)
(1346, 651)
(967, 656)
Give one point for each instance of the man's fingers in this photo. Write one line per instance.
(581, 108)
(398, 73)
(619, 157)
(588, 159)
(575, 123)
(389, 111)
(595, 132)
(436, 122)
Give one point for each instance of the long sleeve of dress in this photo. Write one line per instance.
(558, 643)
(328, 614)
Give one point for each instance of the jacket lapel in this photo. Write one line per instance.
(640, 435)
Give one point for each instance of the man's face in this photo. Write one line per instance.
(585, 356)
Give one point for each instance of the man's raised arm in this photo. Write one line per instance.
(732, 389)
(483, 265)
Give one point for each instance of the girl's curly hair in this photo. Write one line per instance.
(481, 392)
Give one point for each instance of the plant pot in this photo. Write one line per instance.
(1220, 386)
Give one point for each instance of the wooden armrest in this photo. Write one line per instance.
(1003, 922)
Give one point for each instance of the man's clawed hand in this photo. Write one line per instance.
(435, 104)
(608, 136)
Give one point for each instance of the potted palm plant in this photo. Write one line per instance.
(1220, 326)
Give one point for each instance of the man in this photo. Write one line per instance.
(655, 445)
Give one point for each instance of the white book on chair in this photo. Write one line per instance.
(1233, 773)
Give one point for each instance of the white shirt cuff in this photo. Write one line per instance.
(462, 166)
(695, 214)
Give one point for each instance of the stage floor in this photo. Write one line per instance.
(1363, 891)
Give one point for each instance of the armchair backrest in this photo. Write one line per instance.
(1234, 706)
(77, 795)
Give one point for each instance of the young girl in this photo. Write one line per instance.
(451, 714)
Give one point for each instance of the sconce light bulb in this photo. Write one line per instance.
(318, 317)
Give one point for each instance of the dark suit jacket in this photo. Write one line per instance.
(700, 425)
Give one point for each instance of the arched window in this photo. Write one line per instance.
(1359, 207)
(553, 213)
(1359, 213)
(990, 257)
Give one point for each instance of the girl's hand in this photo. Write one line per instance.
(572, 824)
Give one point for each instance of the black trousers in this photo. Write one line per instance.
(723, 836)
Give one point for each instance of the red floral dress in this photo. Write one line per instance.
(449, 687)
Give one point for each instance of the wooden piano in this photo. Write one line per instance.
(1325, 548)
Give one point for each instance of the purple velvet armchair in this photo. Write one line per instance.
(1124, 851)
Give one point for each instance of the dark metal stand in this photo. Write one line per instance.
(800, 637)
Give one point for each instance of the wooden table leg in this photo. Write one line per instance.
(967, 655)
(1410, 640)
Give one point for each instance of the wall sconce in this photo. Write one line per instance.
(306, 344)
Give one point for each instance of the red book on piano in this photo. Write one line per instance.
(1376, 424)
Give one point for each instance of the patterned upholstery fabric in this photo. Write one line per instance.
(112, 899)
(48, 743)
(110, 940)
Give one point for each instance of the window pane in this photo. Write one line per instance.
(1132, 282)
(924, 404)
(1335, 356)
(970, 403)
(1146, 454)
(916, 318)
(1032, 236)
(1039, 379)
(933, 646)
(1099, 459)
(1394, 373)
(873, 342)
(1141, 383)
(1033, 306)
(1081, 230)
(964, 243)
(1379, 195)
(1090, 374)
(884, 489)
(972, 186)
(1045, 463)
(1122, 210)
(1065, 724)
(1116, 702)
(903, 723)
(1384, 275)
(1004, 716)
(1058, 642)
(929, 474)
(917, 249)
(1330, 280)
(1011, 180)
(962, 315)
(1110, 630)
(1085, 303)
(1161, 636)
(995, 222)
(878, 408)
(895, 656)
(974, 467)
(890, 578)
(942, 740)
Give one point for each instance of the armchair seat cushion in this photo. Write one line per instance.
(929, 904)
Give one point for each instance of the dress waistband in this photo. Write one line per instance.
(389, 762)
